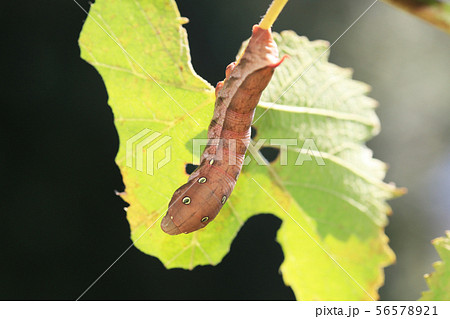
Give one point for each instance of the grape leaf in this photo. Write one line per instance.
(331, 199)
(436, 12)
(439, 281)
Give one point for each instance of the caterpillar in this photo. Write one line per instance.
(195, 204)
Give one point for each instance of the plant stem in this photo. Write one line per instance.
(272, 14)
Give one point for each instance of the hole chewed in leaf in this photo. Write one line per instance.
(190, 168)
(253, 132)
(270, 153)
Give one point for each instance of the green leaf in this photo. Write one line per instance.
(439, 281)
(436, 12)
(333, 214)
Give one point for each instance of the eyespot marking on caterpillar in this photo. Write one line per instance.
(211, 162)
(224, 198)
(202, 180)
(186, 200)
(204, 219)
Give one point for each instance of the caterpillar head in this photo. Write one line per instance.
(193, 206)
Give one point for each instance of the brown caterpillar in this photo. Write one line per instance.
(197, 203)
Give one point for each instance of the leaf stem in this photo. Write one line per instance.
(272, 14)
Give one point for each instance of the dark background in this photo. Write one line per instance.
(61, 225)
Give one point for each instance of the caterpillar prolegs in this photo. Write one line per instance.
(197, 203)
